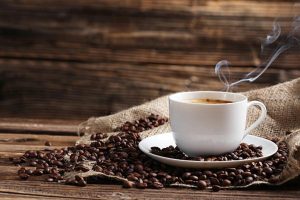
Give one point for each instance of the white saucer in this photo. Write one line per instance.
(166, 139)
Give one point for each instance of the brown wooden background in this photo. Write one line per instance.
(75, 59)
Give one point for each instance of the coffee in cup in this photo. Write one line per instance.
(209, 101)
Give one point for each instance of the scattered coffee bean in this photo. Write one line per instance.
(214, 181)
(29, 171)
(38, 172)
(47, 143)
(80, 181)
(141, 185)
(157, 185)
(142, 124)
(119, 155)
(127, 184)
(216, 188)
(49, 179)
(226, 182)
(249, 179)
(268, 170)
(23, 176)
(201, 185)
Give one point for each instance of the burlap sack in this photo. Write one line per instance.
(282, 102)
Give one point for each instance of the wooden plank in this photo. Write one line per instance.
(37, 188)
(22, 148)
(74, 60)
(63, 127)
(13, 145)
(140, 32)
(144, 56)
(80, 90)
(143, 31)
(116, 192)
(10, 196)
(255, 8)
(36, 139)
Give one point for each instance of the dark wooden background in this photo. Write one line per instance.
(75, 59)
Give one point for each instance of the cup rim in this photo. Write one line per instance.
(173, 97)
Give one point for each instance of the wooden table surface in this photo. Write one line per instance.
(19, 135)
(74, 59)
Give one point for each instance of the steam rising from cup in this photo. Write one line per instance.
(291, 40)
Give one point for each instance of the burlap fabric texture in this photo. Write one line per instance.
(282, 102)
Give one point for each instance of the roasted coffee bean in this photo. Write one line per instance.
(22, 170)
(139, 168)
(82, 183)
(208, 173)
(23, 176)
(47, 170)
(268, 170)
(152, 174)
(33, 163)
(162, 174)
(246, 174)
(127, 184)
(244, 151)
(81, 168)
(201, 185)
(249, 179)
(38, 172)
(214, 181)
(216, 188)
(141, 185)
(49, 179)
(55, 176)
(123, 155)
(80, 180)
(29, 171)
(119, 155)
(132, 178)
(186, 175)
(157, 185)
(97, 168)
(47, 143)
(203, 177)
(71, 182)
(194, 178)
(226, 182)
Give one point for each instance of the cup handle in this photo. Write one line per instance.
(260, 119)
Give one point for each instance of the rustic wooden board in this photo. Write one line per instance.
(143, 31)
(82, 58)
(36, 188)
(41, 189)
(48, 89)
(39, 126)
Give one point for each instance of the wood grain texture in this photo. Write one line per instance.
(83, 58)
(11, 187)
(80, 90)
(60, 127)
(53, 190)
(172, 32)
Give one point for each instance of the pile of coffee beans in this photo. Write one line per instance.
(140, 125)
(244, 151)
(119, 155)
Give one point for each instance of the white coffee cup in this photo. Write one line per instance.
(210, 129)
